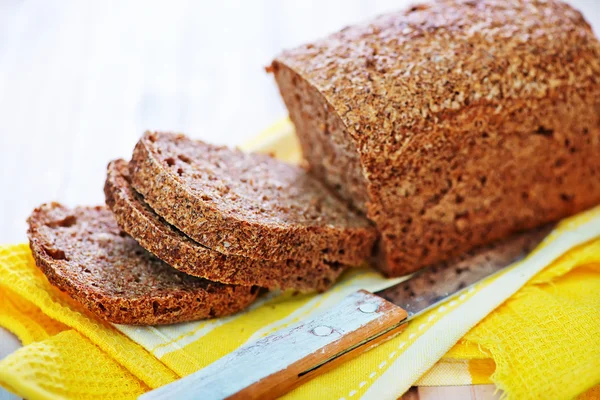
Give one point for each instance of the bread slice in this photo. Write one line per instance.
(83, 252)
(247, 205)
(157, 236)
(452, 123)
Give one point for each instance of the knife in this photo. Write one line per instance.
(275, 364)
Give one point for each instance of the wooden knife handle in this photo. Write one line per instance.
(277, 363)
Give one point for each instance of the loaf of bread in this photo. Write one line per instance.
(248, 205)
(452, 124)
(153, 233)
(83, 252)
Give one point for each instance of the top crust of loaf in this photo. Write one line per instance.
(248, 205)
(166, 242)
(83, 252)
(409, 69)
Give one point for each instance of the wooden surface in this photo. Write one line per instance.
(80, 81)
(476, 392)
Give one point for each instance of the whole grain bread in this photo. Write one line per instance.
(248, 205)
(453, 123)
(169, 244)
(83, 252)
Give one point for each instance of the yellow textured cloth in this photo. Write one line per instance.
(542, 342)
(68, 366)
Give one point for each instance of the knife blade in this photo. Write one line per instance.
(436, 284)
(275, 364)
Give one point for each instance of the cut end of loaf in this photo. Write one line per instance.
(325, 141)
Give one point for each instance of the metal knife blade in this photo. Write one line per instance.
(436, 284)
(275, 364)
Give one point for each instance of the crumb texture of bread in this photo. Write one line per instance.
(249, 205)
(453, 123)
(153, 233)
(83, 252)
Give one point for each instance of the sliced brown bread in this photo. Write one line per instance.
(83, 252)
(247, 205)
(153, 233)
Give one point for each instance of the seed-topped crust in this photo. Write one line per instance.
(83, 252)
(248, 205)
(153, 233)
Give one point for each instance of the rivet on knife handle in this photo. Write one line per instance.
(279, 362)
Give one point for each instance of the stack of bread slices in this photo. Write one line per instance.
(194, 231)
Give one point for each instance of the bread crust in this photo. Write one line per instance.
(468, 120)
(248, 205)
(83, 253)
(169, 244)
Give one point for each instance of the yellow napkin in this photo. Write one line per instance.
(542, 341)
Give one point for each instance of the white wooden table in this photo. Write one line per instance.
(81, 80)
